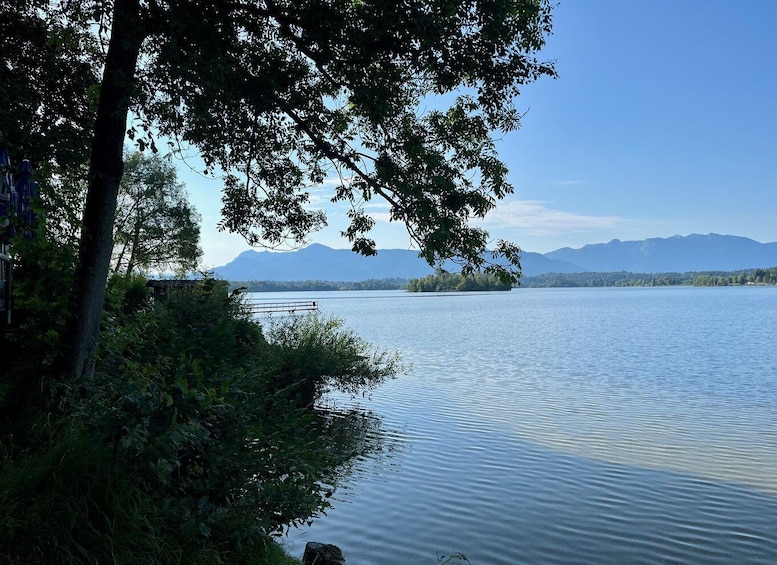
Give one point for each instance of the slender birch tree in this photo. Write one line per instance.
(156, 228)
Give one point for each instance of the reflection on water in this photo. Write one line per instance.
(583, 426)
(356, 438)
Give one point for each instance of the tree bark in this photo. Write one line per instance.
(105, 170)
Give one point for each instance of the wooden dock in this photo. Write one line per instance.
(258, 306)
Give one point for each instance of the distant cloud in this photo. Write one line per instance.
(380, 216)
(533, 217)
(570, 182)
(321, 194)
(377, 208)
(317, 199)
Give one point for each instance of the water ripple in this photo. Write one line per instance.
(570, 427)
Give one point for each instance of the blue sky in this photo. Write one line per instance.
(663, 122)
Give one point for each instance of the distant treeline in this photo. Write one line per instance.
(455, 283)
(319, 286)
(623, 278)
(450, 282)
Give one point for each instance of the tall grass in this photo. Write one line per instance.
(183, 449)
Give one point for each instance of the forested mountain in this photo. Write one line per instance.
(711, 252)
(319, 262)
(677, 254)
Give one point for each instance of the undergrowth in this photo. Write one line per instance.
(190, 445)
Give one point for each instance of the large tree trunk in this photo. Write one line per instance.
(106, 167)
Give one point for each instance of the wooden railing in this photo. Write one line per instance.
(291, 307)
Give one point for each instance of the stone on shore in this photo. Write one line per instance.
(322, 554)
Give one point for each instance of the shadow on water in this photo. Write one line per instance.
(555, 507)
(602, 426)
(545, 506)
(355, 437)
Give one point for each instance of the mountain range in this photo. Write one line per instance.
(711, 252)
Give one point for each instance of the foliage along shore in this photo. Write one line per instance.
(548, 280)
(453, 282)
(199, 438)
(181, 431)
(623, 278)
(318, 286)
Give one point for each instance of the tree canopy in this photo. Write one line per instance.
(282, 94)
(454, 282)
(156, 228)
(400, 101)
(48, 85)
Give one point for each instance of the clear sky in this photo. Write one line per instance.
(663, 122)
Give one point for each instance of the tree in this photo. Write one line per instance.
(452, 282)
(156, 228)
(48, 86)
(49, 79)
(281, 94)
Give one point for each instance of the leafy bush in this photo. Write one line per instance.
(31, 345)
(189, 445)
(126, 295)
(78, 502)
(315, 354)
(75, 503)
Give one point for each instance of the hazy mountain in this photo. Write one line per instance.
(538, 264)
(318, 262)
(710, 252)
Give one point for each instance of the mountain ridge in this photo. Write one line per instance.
(694, 252)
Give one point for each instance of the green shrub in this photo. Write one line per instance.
(77, 502)
(126, 295)
(31, 345)
(315, 354)
(188, 445)
(74, 503)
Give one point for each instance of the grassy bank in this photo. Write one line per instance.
(197, 439)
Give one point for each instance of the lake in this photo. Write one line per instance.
(613, 425)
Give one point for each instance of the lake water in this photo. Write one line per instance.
(634, 425)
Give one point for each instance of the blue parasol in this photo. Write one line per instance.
(26, 191)
(6, 190)
(6, 195)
